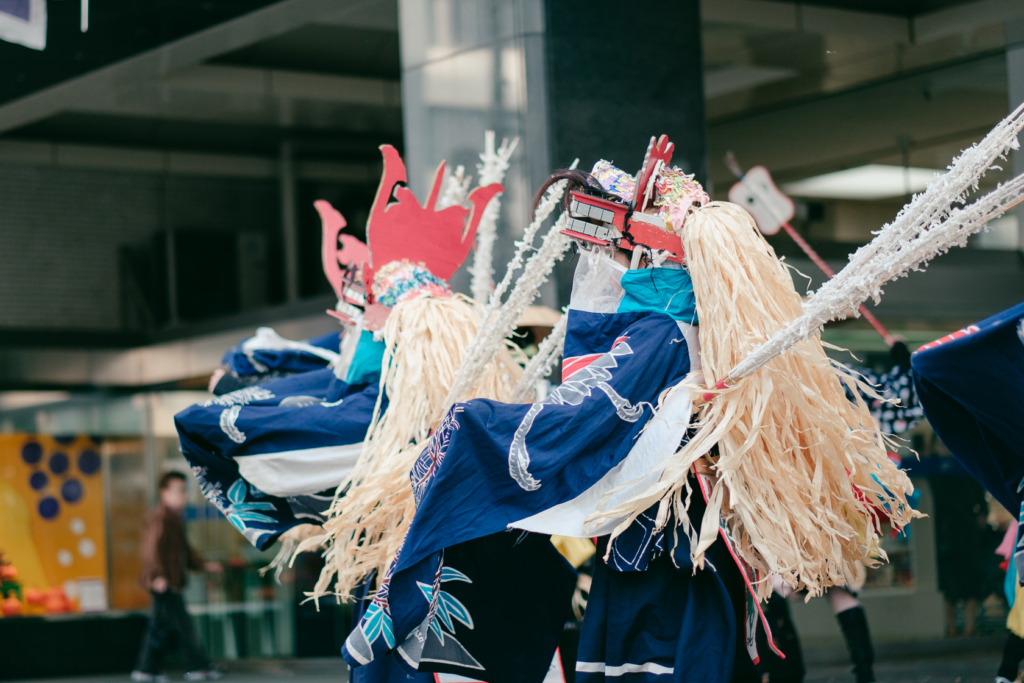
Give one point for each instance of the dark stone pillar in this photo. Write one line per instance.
(619, 73)
(572, 78)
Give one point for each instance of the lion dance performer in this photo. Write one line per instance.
(775, 475)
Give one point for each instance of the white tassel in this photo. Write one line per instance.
(487, 341)
(494, 164)
(500, 319)
(454, 188)
(925, 228)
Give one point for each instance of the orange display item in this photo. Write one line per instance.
(56, 602)
(11, 607)
(34, 597)
(8, 572)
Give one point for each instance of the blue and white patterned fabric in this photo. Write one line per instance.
(270, 456)
(267, 352)
(657, 620)
(471, 594)
(971, 385)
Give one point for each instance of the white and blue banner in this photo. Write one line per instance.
(23, 22)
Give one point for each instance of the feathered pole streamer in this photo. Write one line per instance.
(918, 235)
(798, 465)
(552, 198)
(829, 304)
(492, 169)
(455, 188)
(548, 353)
(489, 340)
(502, 322)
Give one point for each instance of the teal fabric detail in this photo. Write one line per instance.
(366, 361)
(665, 290)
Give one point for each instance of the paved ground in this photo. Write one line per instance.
(975, 667)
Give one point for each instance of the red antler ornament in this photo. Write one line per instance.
(336, 261)
(342, 265)
(659, 155)
(402, 229)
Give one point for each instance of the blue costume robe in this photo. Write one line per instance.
(469, 593)
(291, 416)
(971, 385)
(258, 359)
(270, 456)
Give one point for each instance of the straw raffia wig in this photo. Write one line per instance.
(801, 470)
(425, 339)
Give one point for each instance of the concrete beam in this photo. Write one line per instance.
(250, 96)
(963, 18)
(802, 139)
(145, 366)
(798, 17)
(381, 15)
(58, 155)
(278, 83)
(108, 82)
(791, 16)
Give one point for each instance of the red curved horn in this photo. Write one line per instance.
(333, 223)
(394, 173)
(479, 198)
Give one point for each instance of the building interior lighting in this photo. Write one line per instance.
(873, 181)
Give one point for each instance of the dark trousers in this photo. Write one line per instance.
(170, 627)
(1013, 652)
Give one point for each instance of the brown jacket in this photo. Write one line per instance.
(165, 550)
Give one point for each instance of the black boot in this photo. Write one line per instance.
(1013, 652)
(858, 641)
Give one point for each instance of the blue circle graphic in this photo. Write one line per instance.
(38, 480)
(31, 453)
(49, 508)
(64, 438)
(59, 463)
(72, 491)
(89, 462)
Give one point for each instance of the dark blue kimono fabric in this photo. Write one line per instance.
(972, 390)
(656, 620)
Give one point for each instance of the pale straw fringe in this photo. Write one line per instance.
(786, 435)
(288, 542)
(425, 339)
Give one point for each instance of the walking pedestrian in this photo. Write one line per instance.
(166, 559)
